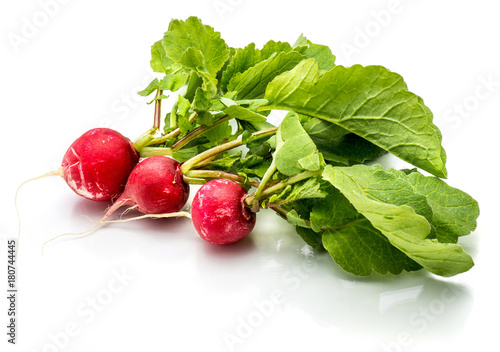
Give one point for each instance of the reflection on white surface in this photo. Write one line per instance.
(283, 281)
(268, 289)
(392, 298)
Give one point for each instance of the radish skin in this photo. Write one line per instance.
(96, 166)
(155, 186)
(219, 213)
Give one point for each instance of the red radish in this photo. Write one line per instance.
(155, 186)
(219, 213)
(97, 164)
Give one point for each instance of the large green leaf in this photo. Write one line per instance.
(455, 212)
(400, 224)
(371, 102)
(352, 241)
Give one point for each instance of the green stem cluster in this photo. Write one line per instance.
(194, 170)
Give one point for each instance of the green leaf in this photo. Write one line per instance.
(184, 125)
(310, 237)
(312, 162)
(371, 101)
(242, 60)
(185, 154)
(176, 75)
(156, 98)
(252, 104)
(205, 118)
(248, 57)
(294, 219)
(338, 145)
(183, 105)
(248, 166)
(373, 193)
(294, 144)
(152, 87)
(252, 83)
(227, 102)
(307, 189)
(159, 61)
(272, 47)
(200, 102)
(352, 241)
(241, 113)
(197, 47)
(174, 81)
(252, 165)
(455, 212)
(359, 248)
(321, 53)
(333, 211)
(216, 135)
(194, 59)
(226, 162)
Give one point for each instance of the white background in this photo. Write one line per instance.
(69, 66)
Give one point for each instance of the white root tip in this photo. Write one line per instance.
(73, 234)
(58, 172)
(104, 221)
(154, 216)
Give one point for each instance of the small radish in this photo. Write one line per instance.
(219, 213)
(155, 186)
(97, 164)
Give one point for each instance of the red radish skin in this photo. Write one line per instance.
(155, 186)
(96, 166)
(219, 213)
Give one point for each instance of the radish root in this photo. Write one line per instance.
(58, 172)
(104, 221)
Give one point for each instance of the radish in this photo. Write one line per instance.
(96, 166)
(219, 213)
(155, 186)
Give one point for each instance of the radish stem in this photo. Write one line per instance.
(212, 174)
(191, 163)
(157, 119)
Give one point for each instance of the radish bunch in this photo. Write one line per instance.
(311, 169)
